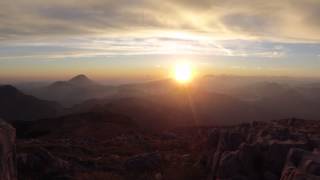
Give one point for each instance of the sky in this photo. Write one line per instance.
(143, 39)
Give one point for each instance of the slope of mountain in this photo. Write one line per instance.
(98, 125)
(260, 90)
(224, 84)
(167, 102)
(15, 105)
(208, 108)
(289, 103)
(310, 90)
(181, 107)
(73, 91)
(151, 87)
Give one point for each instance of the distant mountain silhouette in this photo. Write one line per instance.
(221, 100)
(81, 80)
(73, 91)
(77, 81)
(15, 105)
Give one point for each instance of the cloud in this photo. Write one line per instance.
(286, 20)
(105, 47)
(128, 27)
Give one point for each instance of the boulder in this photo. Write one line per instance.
(7, 152)
(40, 163)
(143, 162)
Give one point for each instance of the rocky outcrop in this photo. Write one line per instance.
(143, 162)
(38, 164)
(144, 166)
(258, 150)
(301, 164)
(7, 152)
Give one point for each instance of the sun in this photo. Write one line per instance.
(183, 73)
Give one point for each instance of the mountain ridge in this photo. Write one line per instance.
(73, 91)
(15, 105)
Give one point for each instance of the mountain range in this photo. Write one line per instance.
(164, 103)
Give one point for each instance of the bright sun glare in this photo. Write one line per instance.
(183, 73)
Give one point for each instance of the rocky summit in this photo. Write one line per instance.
(301, 164)
(285, 149)
(261, 150)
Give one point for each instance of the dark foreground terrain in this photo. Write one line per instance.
(114, 149)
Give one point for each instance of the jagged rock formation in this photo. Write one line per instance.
(302, 164)
(38, 164)
(80, 149)
(258, 150)
(7, 152)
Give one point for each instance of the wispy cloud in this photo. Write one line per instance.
(99, 47)
(72, 28)
(287, 20)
